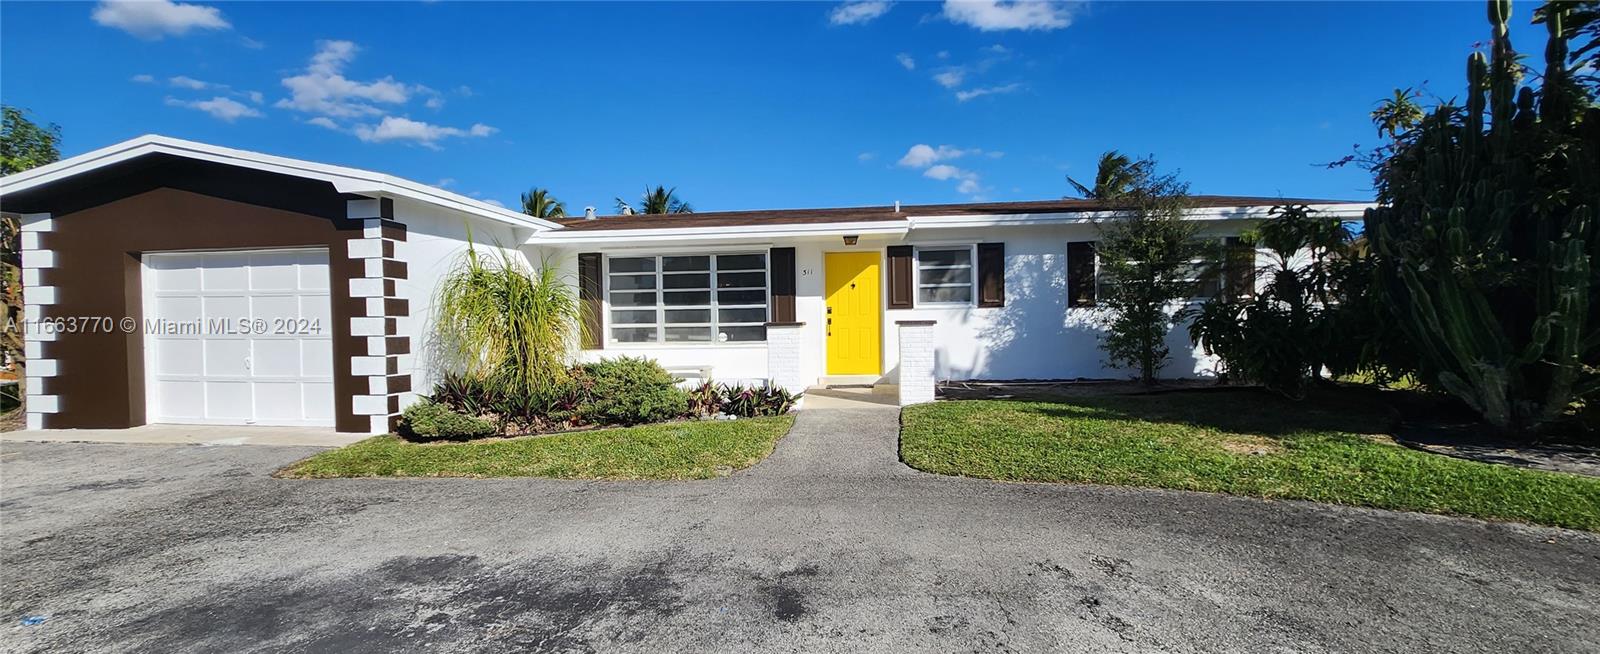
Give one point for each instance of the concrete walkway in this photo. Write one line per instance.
(190, 435)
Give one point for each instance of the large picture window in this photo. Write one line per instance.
(688, 298)
(944, 275)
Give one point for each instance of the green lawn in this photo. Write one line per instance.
(679, 450)
(1242, 443)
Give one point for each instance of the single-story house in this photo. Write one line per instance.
(168, 281)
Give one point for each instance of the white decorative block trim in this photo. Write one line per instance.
(373, 268)
(33, 349)
(35, 333)
(372, 228)
(38, 259)
(368, 326)
(365, 366)
(44, 404)
(377, 345)
(374, 307)
(371, 405)
(366, 287)
(405, 363)
(37, 222)
(35, 420)
(40, 295)
(363, 208)
(379, 425)
(31, 277)
(35, 385)
(366, 248)
(378, 385)
(43, 368)
(32, 240)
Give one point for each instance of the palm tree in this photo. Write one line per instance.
(1116, 175)
(656, 201)
(538, 202)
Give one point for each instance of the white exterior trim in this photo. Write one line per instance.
(344, 180)
(724, 234)
(1256, 212)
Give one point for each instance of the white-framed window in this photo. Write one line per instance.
(945, 275)
(687, 298)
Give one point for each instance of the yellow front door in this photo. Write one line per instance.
(854, 331)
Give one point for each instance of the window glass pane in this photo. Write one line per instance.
(632, 282)
(742, 279)
(671, 264)
(646, 317)
(634, 334)
(745, 334)
(742, 315)
(701, 280)
(742, 297)
(741, 262)
(961, 257)
(633, 264)
(686, 298)
(688, 334)
(646, 299)
(688, 315)
(945, 294)
(946, 275)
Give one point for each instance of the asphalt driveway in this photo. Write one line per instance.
(830, 545)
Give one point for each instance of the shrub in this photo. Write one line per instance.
(431, 420)
(705, 399)
(465, 394)
(509, 326)
(754, 401)
(629, 391)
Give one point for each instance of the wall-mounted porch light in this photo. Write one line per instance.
(850, 240)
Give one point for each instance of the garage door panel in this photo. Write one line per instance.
(317, 398)
(225, 272)
(230, 372)
(179, 356)
(226, 307)
(278, 402)
(181, 399)
(276, 358)
(180, 309)
(227, 357)
(316, 358)
(277, 308)
(228, 400)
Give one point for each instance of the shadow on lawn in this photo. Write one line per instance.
(1240, 411)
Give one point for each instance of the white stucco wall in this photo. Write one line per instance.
(1035, 336)
(436, 238)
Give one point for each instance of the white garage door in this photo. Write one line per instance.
(238, 338)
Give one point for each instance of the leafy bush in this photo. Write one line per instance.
(753, 401)
(431, 420)
(705, 399)
(629, 391)
(465, 394)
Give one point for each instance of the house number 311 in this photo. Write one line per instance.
(805, 272)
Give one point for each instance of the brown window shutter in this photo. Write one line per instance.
(902, 278)
(1080, 274)
(991, 275)
(782, 264)
(589, 292)
(1239, 267)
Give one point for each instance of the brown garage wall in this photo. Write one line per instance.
(97, 273)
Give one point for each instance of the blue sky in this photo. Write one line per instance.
(746, 106)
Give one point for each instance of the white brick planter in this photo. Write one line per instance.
(783, 355)
(916, 361)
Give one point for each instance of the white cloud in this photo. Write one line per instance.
(434, 101)
(967, 181)
(397, 128)
(255, 96)
(969, 94)
(157, 19)
(866, 156)
(185, 82)
(998, 49)
(922, 155)
(445, 182)
(856, 13)
(323, 89)
(221, 108)
(906, 61)
(143, 79)
(944, 54)
(495, 202)
(323, 121)
(950, 78)
(251, 43)
(997, 15)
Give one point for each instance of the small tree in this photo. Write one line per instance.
(1147, 257)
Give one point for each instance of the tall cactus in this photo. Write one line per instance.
(1485, 238)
